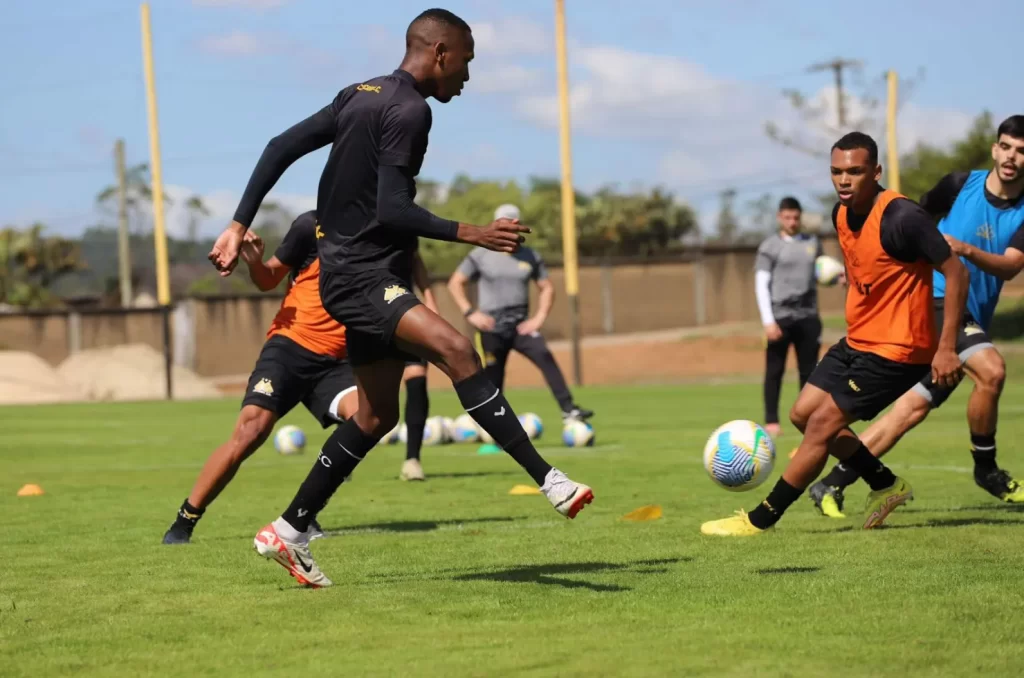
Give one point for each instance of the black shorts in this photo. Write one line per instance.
(863, 384)
(971, 339)
(287, 374)
(369, 304)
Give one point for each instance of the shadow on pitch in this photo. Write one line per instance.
(415, 525)
(558, 574)
(955, 522)
(475, 474)
(787, 570)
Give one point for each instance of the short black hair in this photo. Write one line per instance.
(854, 140)
(438, 17)
(790, 203)
(1012, 127)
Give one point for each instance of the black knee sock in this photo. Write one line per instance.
(983, 449)
(870, 468)
(339, 456)
(841, 476)
(775, 504)
(188, 516)
(416, 409)
(487, 405)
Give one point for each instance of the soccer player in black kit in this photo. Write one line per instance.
(368, 229)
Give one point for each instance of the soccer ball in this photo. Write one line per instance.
(578, 434)
(290, 440)
(433, 432)
(532, 424)
(392, 437)
(739, 455)
(464, 429)
(827, 270)
(449, 429)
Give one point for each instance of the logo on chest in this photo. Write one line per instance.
(986, 232)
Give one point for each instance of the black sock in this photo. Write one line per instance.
(339, 456)
(188, 516)
(870, 468)
(841, 477)
(487, 405)
(983, 449)
(416, 409)
(775, 504)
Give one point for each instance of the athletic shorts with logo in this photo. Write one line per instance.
(287, 374)
(863, 384)
(971, 339)
(369, 304)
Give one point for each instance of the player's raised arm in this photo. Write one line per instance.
(281, 152)
(939, 200)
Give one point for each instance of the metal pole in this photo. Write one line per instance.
(123, 242)
(893, 172)
(568, 196)
(163, 286)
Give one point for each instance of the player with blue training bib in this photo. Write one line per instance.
(984, 225)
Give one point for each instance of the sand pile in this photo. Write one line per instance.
(25, 378)
(130, 372)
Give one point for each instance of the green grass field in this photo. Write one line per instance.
(456, 577)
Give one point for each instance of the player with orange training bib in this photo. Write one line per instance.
(891, 247)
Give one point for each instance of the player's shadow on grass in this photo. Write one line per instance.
(787, 570)
(555, 574)
(955, 522)
(475, 474)
(415, 525)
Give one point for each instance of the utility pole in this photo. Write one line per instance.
(124, 262)
(837, 66)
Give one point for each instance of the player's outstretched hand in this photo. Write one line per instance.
(224, 255)
(252, 248)
(947, 370)
(503, 235)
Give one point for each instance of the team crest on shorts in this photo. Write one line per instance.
(392, 292)
(264, 387)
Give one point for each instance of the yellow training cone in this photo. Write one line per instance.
(30, 490)
(524, 489)
(652, 512)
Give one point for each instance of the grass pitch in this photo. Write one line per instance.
(456, 577)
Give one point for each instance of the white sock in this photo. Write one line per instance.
(289, 533)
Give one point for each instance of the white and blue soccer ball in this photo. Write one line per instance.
(434, 432)
(464, 429)
(532, 424)
(827, 270)
(290, 440)
(392, 437)
(578, 434)
(739, 455)
(449, 429)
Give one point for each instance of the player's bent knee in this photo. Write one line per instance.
(993, 378)
(252, 430)
(377, 423)
(825, 422)
(461, 357)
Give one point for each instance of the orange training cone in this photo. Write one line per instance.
(30, 490)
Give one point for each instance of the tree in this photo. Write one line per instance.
(138, 197)
(922, 168)
(762, 214)
(31, 263)
(726, 226)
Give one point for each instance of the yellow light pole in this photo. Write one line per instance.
(570, 263)
(163, 286)
(893, 173)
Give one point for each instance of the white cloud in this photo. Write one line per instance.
(511, 36)
(505, 78)
(246, 4)
(710, 130)
(221, 205)
(240, 43)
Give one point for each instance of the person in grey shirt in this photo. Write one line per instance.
(503, 319)
(787, 298)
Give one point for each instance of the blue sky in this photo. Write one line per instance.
(665, 93)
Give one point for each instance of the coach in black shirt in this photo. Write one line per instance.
(366, 238)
